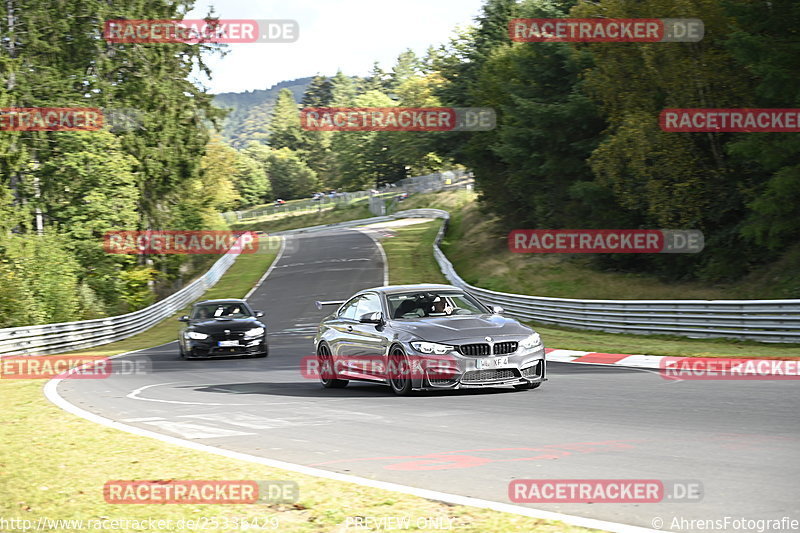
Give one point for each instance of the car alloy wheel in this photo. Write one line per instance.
(326, 362)
(400, 371)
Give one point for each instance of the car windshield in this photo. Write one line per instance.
(221, 310)
(422, 304)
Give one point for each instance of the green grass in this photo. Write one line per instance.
(477, 247)
(409, 254)
(411, 261)
(54, 465)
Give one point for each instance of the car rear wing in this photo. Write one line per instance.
(319, 304)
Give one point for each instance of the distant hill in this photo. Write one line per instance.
(249, 117)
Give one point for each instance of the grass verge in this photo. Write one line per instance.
(476, 245)
(53, 466)
(411, 261)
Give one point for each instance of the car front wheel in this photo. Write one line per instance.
(326, 370)
(400, 372)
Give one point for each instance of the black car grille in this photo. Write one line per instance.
(474, 349)
(490, 375)
(232, 336)
(505, 347)
(477, 350)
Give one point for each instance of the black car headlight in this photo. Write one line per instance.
(196, 335)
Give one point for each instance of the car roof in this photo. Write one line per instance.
(392, 289)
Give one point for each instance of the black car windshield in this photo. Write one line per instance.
(422, 304)
(221, 310)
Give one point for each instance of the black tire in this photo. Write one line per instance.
(528, 386)
(323, 355)
(181, 351)
(398, 362)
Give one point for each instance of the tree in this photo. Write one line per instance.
(766, 47)
(376, 80)
(364, 159)
(88, 187)
(284, 124)
(407, 66)
(319, 92)
(251, 181)
(289, 175)
(343, 90)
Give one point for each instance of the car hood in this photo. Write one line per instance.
(454, 329)
(215, 325)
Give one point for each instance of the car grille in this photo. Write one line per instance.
(505, 347)
(474, 349)
(490, 375)
(481, 349)
(232, 336)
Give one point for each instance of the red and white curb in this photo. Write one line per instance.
(780, 368)
(577, 356)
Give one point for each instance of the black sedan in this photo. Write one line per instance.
(426, 336)
(223, 328)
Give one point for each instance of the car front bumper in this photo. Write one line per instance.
(521, 368)
(209, 350)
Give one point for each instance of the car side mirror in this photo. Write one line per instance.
(259, 314)
(372, 318)
(184, 318)
(496, 309)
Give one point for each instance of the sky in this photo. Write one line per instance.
(334, 34)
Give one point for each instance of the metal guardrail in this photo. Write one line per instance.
(67, 336)
(427, 183)
(762, 320)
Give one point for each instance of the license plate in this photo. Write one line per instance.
(224, 344)
(495, 362)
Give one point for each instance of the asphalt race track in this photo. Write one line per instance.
(740, 439)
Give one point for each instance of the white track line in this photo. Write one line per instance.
(377, 242)
(271, 267)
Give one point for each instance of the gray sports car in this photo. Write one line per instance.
(415, 337)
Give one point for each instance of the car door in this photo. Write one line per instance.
(342, 343)
(369, 341)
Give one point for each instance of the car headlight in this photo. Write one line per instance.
(531, 341)
(255, 332)
(196, 335)
(431, 347)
